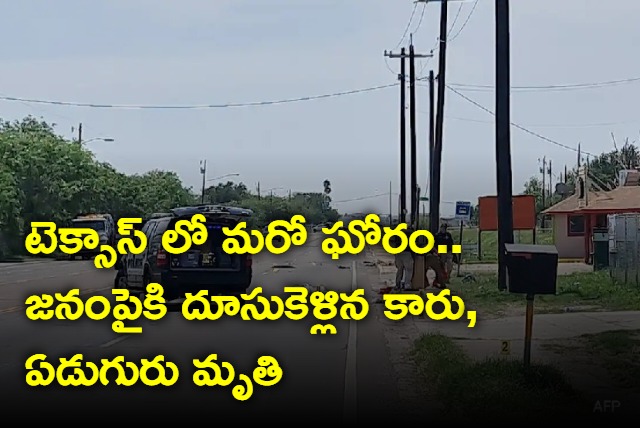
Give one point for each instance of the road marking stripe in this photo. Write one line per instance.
(350, 372)
(19, 308)
(114, 341)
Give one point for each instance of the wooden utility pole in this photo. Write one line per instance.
(402, 215)
(550, 172)
(80, 134)
(503, 137)
(432, 121)
(543, 171)
(434, 203)
(258, 189)
(415, 192)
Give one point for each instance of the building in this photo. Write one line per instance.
(575, 218)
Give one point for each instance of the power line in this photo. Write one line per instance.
(196, 106)
(406, 30)
(424, 8)
(464, 24)
(574, 126)
(380, 195)
(571, 86)
(515, 125)
(437, 44)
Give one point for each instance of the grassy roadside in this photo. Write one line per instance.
(494, 390)
(583, 291)
(617, 352)
(489, 242)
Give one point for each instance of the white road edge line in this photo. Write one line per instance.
(351, 374)
(114, 341)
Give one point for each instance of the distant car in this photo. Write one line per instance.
(205, 267)
(319, 227)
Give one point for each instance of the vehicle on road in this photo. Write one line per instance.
(319, 227)
(101, 223)
(204, 267)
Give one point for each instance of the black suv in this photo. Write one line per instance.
(204, 267)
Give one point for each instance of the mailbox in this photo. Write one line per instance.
(531, 269)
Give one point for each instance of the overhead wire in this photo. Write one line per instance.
(196, 106)
(557, 126)
(562, 87)
(464, 24)
(437, 44)
(515, 125)
(404, 36)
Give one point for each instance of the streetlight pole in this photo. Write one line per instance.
(203, 171)
(213, 179)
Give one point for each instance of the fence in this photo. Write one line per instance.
(624, 248)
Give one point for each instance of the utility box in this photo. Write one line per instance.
(600, 254)
(531, 269)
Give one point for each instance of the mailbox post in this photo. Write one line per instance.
(531, 270)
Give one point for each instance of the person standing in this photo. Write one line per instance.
(404, 265)
(443, 237)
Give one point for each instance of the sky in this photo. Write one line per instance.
(197, 52)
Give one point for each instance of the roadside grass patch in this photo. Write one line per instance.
(580, 291)
(489, 243)
(619, 352)
(493, 390)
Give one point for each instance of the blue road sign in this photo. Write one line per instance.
(463, 210)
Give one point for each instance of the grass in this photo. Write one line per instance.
(489, 242)
(495, 390)
(619, 352)
(583, 291)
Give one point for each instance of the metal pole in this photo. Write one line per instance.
(528, 330)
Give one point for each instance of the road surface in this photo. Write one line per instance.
(327, 379)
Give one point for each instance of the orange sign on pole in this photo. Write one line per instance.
(524, 212)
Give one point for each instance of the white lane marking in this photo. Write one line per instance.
(114, 341)
(350, 372)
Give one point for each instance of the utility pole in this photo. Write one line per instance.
(550, 172)
(80, 134)
(390, 206)
(203, 171)
(403, 134)
(566, 177)
(579, 156)
(432, 121)
(543, 171)
(258, 191)
(414, 139)
(434, 203)
(503, 137)
(289, 194)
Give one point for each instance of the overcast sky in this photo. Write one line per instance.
(233, 51)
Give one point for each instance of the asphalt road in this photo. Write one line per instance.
(327, 379)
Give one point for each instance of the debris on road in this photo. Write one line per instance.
(287, 266)
(344, 267)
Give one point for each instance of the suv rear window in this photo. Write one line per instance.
(210, 254)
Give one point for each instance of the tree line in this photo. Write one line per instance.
(45, 177)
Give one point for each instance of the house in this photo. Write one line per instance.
(575, 218)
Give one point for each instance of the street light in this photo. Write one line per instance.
(223, 176)
(104, 140)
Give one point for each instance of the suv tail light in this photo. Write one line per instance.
(248, 261)
(162, 258)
